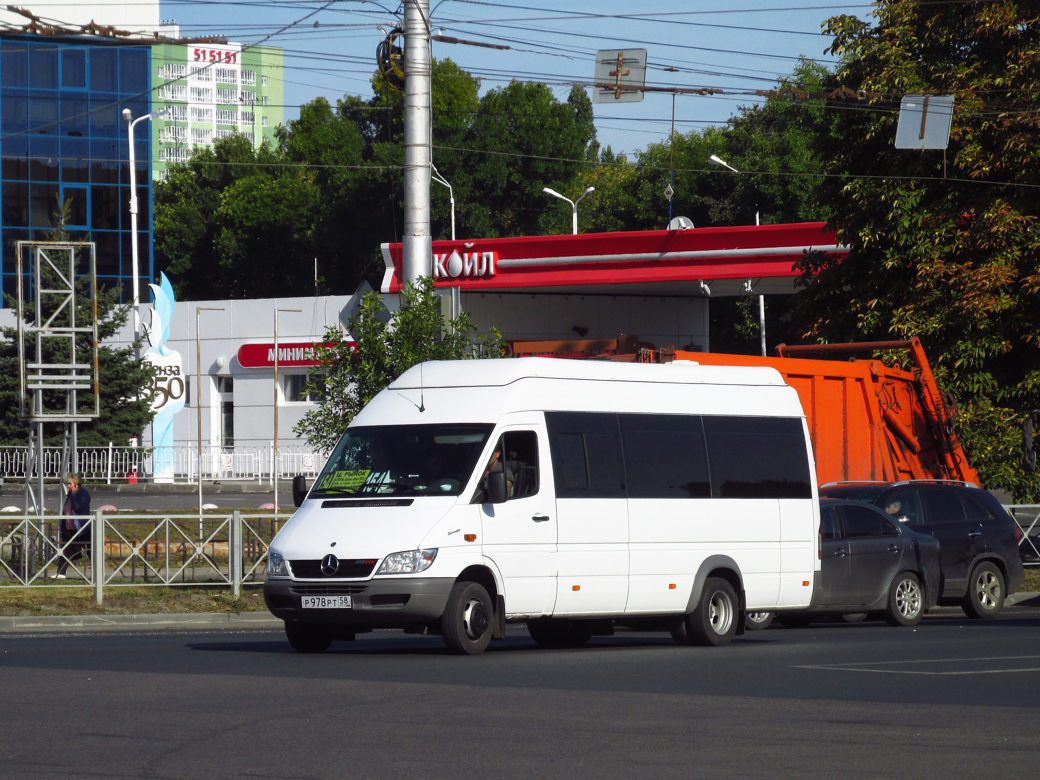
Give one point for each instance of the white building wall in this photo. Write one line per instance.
(681, 322)
(223, 327)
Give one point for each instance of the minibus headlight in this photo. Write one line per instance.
(276, 566)
(408, 562)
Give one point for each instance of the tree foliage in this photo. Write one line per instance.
(771, 145)
(943, 246)
(239, 222)
(384, 346)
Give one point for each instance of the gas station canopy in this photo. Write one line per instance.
(700, 261)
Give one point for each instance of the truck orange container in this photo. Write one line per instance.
(868, 421)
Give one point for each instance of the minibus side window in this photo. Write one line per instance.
(586, 453)
(665, 456)
(521, 453)
(571, 467)
(757, 457)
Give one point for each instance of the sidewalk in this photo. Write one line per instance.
(265, 620)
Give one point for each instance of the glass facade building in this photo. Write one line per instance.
(63, 139)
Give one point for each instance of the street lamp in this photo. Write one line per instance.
(451, 195)
(574, 204)
(722, 163)
(198, 394)
(131, 123)
(274, 454)
(761, 298)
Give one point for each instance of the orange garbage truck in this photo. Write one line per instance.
(868, 421)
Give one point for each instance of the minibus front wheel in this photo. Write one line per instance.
(468, 618)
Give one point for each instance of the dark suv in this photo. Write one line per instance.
(978, 539)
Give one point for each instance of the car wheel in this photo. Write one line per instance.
(714, 621)
(559, 633)
(985, 596)
(467, 620)
(308, 637)
(756, 621)
(795, 619)
(905, 601)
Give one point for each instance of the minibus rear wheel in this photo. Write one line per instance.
(468, 618)
(308, 637)
(714, 621)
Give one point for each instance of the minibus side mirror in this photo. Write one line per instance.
(299, 489)
(496, 487)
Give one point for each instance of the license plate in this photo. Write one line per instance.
(326, 602)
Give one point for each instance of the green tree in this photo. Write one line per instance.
(191, 209)
(377, 199)
(521, 140)
(385, 346)
(772, 145)
(329, 149)
(264, 228)
(943, 245)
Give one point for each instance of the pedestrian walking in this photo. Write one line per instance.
(74, 524)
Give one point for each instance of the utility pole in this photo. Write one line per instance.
(417, 255)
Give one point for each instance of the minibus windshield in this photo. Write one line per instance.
(403, 460)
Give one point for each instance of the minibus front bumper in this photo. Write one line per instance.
(393, 602)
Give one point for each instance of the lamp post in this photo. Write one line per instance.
(274, 466)
(761, 298)
(198, 397)
(574, 204)
(451, 195)
(131, 123)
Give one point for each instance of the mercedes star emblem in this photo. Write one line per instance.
(329, 565)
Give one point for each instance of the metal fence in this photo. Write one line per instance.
(227, 550)
(182, 463)
(171, 550)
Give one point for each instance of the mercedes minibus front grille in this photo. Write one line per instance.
(348, 570)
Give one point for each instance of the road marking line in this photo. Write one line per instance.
(861, 666)
(922, 673)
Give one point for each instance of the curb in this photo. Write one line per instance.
(244, 620)
(73, 623)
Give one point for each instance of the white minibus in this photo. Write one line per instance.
(575, 496)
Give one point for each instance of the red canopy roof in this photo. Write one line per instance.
(643, 261)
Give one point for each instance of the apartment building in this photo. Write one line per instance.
(210, 92)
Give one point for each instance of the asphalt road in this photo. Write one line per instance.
(950, 698)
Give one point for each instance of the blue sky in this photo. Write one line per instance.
(735, 45)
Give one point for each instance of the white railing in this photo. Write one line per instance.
(181, 463)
